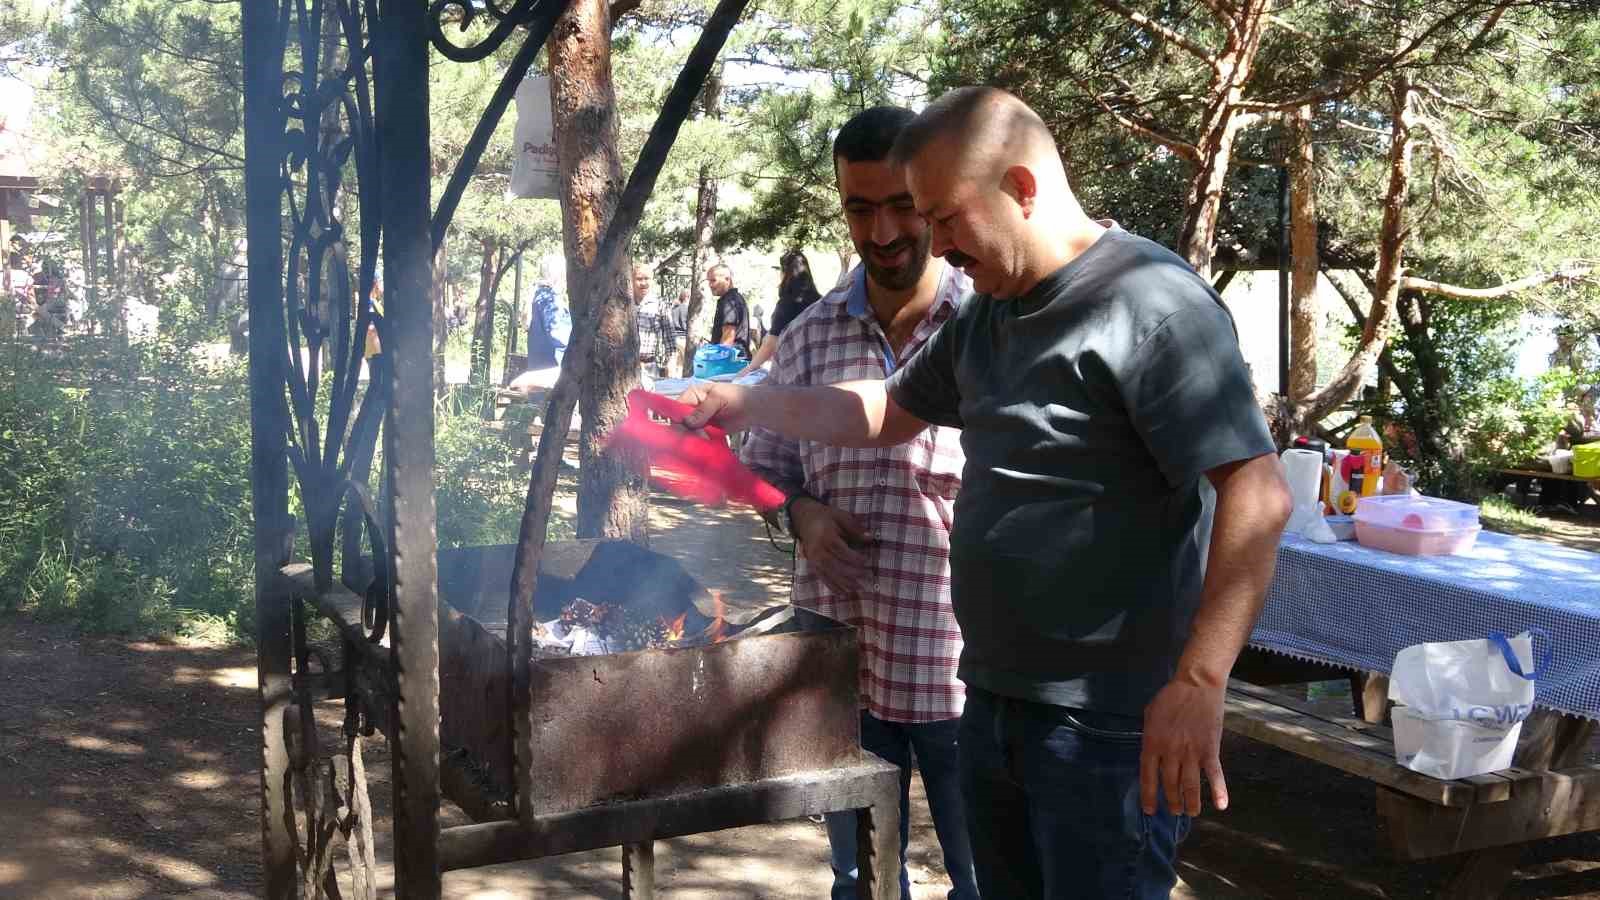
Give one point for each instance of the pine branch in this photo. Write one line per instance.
(1159, 30)
(1340, 89)
(1183, 148)
(1570, 271)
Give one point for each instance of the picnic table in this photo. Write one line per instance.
(1344, 610)
(1556, 488)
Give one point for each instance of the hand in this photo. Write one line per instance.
(723, 405)
(1182, 741)
(826, 535)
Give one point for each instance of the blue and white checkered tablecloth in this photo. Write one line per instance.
(1357, 607)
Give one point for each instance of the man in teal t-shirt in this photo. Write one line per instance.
(1098, 382)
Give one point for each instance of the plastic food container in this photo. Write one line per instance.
(1415, 525)
(1586, 460)
(1343, 527)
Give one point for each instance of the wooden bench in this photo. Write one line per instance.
(1488, 818)
(1556, 488)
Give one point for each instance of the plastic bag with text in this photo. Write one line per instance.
(1462, 703)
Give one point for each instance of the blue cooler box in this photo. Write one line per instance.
(712, 360)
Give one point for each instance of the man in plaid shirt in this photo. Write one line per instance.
(873, 525)
(655, 330)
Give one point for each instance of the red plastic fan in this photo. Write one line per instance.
(701, 469)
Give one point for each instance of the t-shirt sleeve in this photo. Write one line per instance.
(925, 384)
(1189, 395)
(731, 310)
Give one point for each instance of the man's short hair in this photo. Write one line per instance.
(719, 265)
(998, 116)
(869, 135)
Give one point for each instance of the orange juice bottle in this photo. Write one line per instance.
(1364, 440)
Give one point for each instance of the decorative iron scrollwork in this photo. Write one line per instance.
(506, 21)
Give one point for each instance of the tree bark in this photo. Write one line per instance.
(441, 281)
(1303, 314)
(698, 315)
(1391, 253)
(846, 253)
(483, 311)
(1220, 126)
(612, 500)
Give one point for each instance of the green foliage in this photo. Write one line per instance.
(852, 56)
(1498, 514)
(126, 478)
(1481, 415)
(481, 479)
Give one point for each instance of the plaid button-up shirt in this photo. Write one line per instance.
(910, 643)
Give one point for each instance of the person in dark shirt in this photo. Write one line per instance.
(796, 291)
(730, 326)
(1099, 385)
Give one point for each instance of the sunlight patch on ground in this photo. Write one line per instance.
(66, 818)
(127, 725)
(200, 779)
(181, 871)
(237, 677)
(11, 872)
(155, 806)
(101, 745)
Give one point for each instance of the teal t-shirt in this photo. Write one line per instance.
(1090, 410)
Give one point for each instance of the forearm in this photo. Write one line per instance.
(1252, 507)
(727, 335)
(769, 346)
(850, 414)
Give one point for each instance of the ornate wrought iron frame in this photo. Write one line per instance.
(356, 104)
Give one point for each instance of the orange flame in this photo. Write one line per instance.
(674, 628)
(719, 625)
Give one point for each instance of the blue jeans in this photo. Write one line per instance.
(1052, 797)
(935, 746)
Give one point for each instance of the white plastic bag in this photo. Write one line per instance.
(1463, 703)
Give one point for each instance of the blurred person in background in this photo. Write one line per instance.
(655, 328)
(796, 291)
(730, 326)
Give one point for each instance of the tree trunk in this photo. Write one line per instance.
(441, 280)
(846, 253)
(1303, 313)
(1221, 125)
(483, 312)
(612, 500)
(1391, 254)
(698, 315)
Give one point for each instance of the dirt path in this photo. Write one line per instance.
(128, 769)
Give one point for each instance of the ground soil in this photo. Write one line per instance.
(128, 769)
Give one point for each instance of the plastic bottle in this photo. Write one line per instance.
(1365, 443)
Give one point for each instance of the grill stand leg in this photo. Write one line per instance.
(878, 843)
(639, 871)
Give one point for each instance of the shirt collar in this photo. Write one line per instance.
(945, 296)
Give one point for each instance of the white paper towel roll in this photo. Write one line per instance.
(1303, 470)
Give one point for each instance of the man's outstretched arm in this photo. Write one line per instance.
(851, 414)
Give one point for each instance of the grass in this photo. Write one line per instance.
(1497, 514)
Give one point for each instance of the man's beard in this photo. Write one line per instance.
(898, 278)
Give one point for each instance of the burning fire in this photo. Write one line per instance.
(715, 633)
(674, 629)
(719, 625)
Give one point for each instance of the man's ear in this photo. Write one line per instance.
(1019, 182)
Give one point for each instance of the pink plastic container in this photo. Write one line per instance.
(1416, 526)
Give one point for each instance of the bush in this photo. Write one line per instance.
(125, 476)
